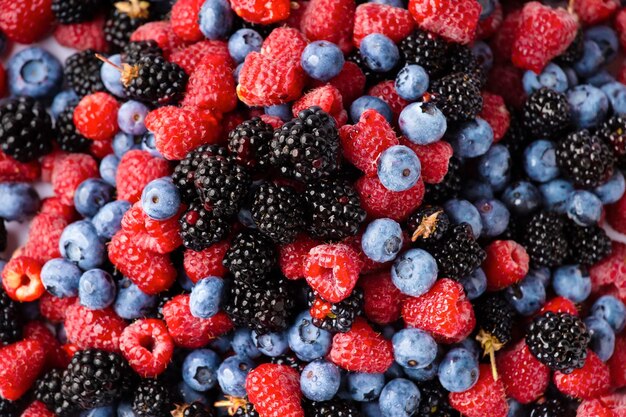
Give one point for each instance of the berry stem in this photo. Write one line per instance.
(490, 344)
(233, 404)
(129, 72)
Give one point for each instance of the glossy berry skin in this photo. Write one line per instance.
(399, 398)
(320, 380)
(522, 197)
(79, 243)
(528, 296)
(60, 278)
(307, 341)
(382, 240)
(20, 201)
(108, 220)
(271, 344)
(96, 289)
(108, 168)
(422, 123)
(131, 302)
(412, 82)
(160, 199)
(462, 211)
(242, 42)
(322, 60)
(206, 296)
(583, 207)
(413, 348)
(475, 284)
(200, 369)
(364, 387)
(458, 370)
(611, 191)
(34, 72)
(215, 19)
(602, 337)
(589, 105)
(91, 195)
(472, 139)
(494, 167)
(243, 345)
(231, 375)
(572, 282)
(552, 77)
(414, 272)
(612, 310)
(591, 61)
(363, 103)
(399, 168)
(494, 215)
(555, 194)
(540, 161)
(380, 53)
(131, 116)
(111, 77)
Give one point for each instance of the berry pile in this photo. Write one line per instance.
(313, 208)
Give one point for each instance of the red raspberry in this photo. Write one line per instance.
(332, 270)
(292, 256)
(506, 81)
(180, 130)
(274, 121)
(98, 329)
(136, 169)
(101, 148)
(26, 21)
(378, 201)
(502, 42)
(363, 142)
(150, 271)
(298, 7)
(262, 11)
(620, 27)
(49, 163)
(205, 263)
(189, 57)
(320, 308)
(525, 378)
(55, 355)
(496, 114)
(53, 206)
(212, 86)
(328, 98)
(594, 408)
(367, 265)
(184, 20)
(617, 363)
(382, 301)
(559, 305)
(586, 383)
(20, 364)
(591, 12)
(37, 409)
(394, 22)
(361, 349)
(488, 27)
(11, 170)
(69, 172)
(485, 398)
(611, 271)
(330, 20)
(191, 332)
(147, 346)
(54, 308)
(275, 390)
(95, 116)
(21, 279)
(386, 91)
(350, 82)
(43, 237)
(616, 215)
(162, 34)
(616, 402)
(455, 20)
(160, 236)
(505, 265)
(284, 44)
(543, 33)
(444, 311)
(84, 35)
(434, 158)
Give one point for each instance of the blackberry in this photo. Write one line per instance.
(574, 51)
(371, 77)
(246, 411)
(585, 159)
(278, 212)
(341, 314)
(134, 51)
(434, 401)
(333, 408)
(549, 408)
(449, 187)
(200, 228)
(155, 80)
(462, 59)
(249, 143)
(68, 137)
(545, 240)
(25, 129)
(334, 209)
(8, 408)
(613, 133)
(127, 16)
(306, 148)
(587, 245)
(546, 113)
(250, 257)
(425, 49)
(516, 140)
(558, 340)
(185, 171)
(195, 409)
(82, 72)
(10, 319)
(222, 184)
(428, 224)
(495, 317)
(457, 96)
(3, 235)
(290, 360)
(151, 399)
(95, 378)
(48, 391)
(74, 11)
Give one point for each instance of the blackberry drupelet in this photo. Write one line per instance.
(278, 212)
(74, 11)
(82, 72)
(428, 224)
(341, 314)
(587, 245)
(545, 240)
(3, 235)
(558, 340)
(25, 129)
(516, 140)
(574, 51)
(134, 51)
(306, 148)
(185, 171)
(334, 209)
(127, 16)
(11, 320)
(151, 399)
(495, 315)
(546, 113)
(585, 159)
(95, 378)
(246, 411)
(462, 59)
(8, 408)
(250, 257)
(449, 187)
(200, 228)
(195, 409)
(290, 360)
(48, 391)
(613, 133)
(457, 96)
(68, 137)
(434, 401)
(425, 49)
(371, 77)
(154, 80)
(333, 408)
(549, 408)
(222, 184)
(249, 143)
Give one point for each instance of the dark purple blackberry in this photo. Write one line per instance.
(8, 408)
(434, 401)
(246, 411)
(11, 320)
(278, 212)
(48, 391)
(574, 51)
(333, 408)
(250, 257)
(428, 224)
(249, 143)
(425, 49)
(342, 314)
(457, 96)
(155, 80)
(25, 129)
(587, 245)
(289, 359)
(152, 399)
(546, 113)
(494, 316)
(185, 171)
(74, 11)
(549, 408)
(134, 51)
(462, 59)
(200, 228)
(195, 409)
(125, 19)
(585, 159)
(613, 133)
(82, 72)
(545, 240)
(68, 137)
(448, 188)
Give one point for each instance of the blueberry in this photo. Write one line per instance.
(601, 78)
(131, 117)
(588, 104)
(424, 374)
(543, 274)
(206, 297)
(611, 191)
(399, 168)
(476, 190)
(160, 199)
(494, 216)
(475, 284)
(271, 344)
(189, 395)
(379, 52)
(422, 123)
(363, 387)
(612, 310)
(222, 344)
(34, 72)
(243, 345)
(200, 369)
(458, 370)
(591, 60)
(125, 409)
(307, 341)
(79, 243)
(462, 211)
(552, 77)
(112, 78)
(494, 167)
(19, 201)
(540, 161)
(132, 303)
(602, 336)
(122, 143)
(521, 197)
(470, 345)
(320, 380)
(414, 348)
(572, 282)
(395, 370)
(372, 409)
(606, 38)
(616, 92)
(322, 60)
(60, 277)
(516, 409)
(394, 3)
(412, 82)
(471, 139)
(96, 289)
(108, 220)
(237, 71)
(528, 296)
(216, 19)
(283, 111)
(91, 195)
(487, 8)
(61, 101)
(399, 398)
(231, 375)
(148, 144)
(108, 169)
(382, 240)
(555, 194)
(242, 42)
(583, 207)
(106, 411)
(484, 55)
(183, 279)
(363, 103)
(414, 272)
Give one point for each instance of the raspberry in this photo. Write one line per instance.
(54, 308)
(444, 311)
(502, 43)
(49, 163)
(506, 81)
(284, 44)
(361, 349)
(147, 346)
(611, 271)
(586, 383)
(434, 158)
(55, 355)
(328, 98)
(292, 256)
(505, 265)
(20, 364)
(101, 148)
(485, 398)
(160, 236)
(54, 207)
(212, 86)
(26, 21)
(559, 305)
(136, 169)
(82, 36)
(454, 20)
(43, 237)
(261, 11)
(394, 22)
(207, 262)
(620, 26)
(21, 279)
(98, 329)
(184, 20)
(594, 408)
(275, 390)
(332, 270)
(386, 91)
(37, 409)
(162, 34)
(525, 379)
(95, 116)
(276, 122)
(70, 172)
(191, 332)
(367, 265)
(363, 142)
(617, 363)
(378, 201)
(350, 82)
(543, 33)
(330, 20)
(591, 12)
(382, 300)
(12, 170)
(496, 114)
(488, 27)
(616, 215)
(189, 57)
